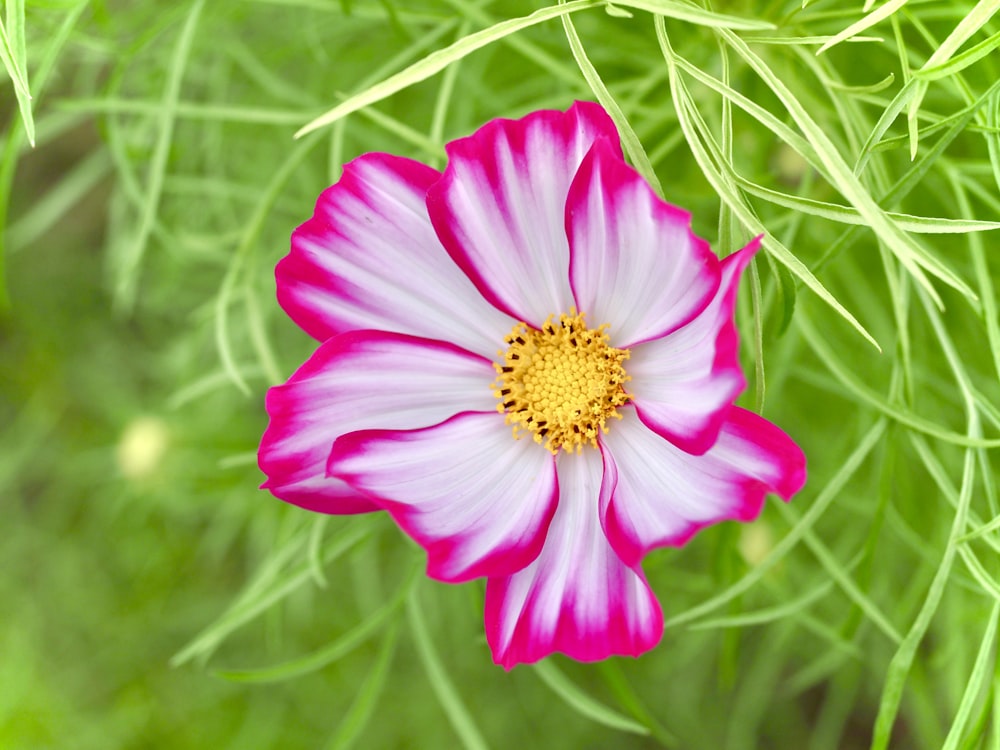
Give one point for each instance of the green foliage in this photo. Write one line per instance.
(155, 598)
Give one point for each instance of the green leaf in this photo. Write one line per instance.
(802, 41)
(127, 273)
(238, 263)
(879, 14)
(439, 60)
(618, 683)
(14, 55)
(582, 703)
(272, 586)
(823, 500)
(850, 215)
(914, 257)
(959, 62)
(902, 661)
(719, 173)
(362, 709)
(328, 654)
(871, 88)
(630, 141)
(971, 23)
(840, 574)
(11, 63)
(693, 14)
(857, 389)
(787, 296)
(448, 696)
(12, 147)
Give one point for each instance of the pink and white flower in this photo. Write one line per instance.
(530, 361)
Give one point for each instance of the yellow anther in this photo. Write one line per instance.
(561, 383)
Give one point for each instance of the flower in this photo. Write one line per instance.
(530, 361)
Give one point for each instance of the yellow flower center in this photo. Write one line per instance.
(561, 383)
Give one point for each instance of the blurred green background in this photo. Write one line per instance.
(151, 596)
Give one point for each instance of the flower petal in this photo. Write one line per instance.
(361, 379)
(476, 499)
(683, 384)
(578, 597)
(663, 495)
(634, 262)
(369, 258)
(499, 206)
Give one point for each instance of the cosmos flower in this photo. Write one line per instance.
(529, 361)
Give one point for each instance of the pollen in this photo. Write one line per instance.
(561, 383)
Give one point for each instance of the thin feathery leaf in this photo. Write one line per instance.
(582, 703)
(979, 679)
(959, 62)
(695, 15)
(970, 24)
(437, 61)
(687, 117)
(850, 215)
(447, 694)
(11, 149)
(816, 510)
(14, 55)
(272, 586)
(915, 258)
(327, 654)
(876, 16)
(127, 274)
(856, 388)
(363, 709)
(630, 141)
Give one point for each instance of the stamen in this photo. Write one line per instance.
(561, 383)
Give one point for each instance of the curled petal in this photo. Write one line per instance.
(499, 206)
(634, 262)
(577, 597)
(476, 499)
(663, 495)
(369, 259)
(683, 384)
(361, 379)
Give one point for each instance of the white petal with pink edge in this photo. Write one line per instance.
(500, 204)
(361, 380)
(634, 262)
(663, 495)
(369, 259)
(682, 384)
(578, 597)
(475, 498)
